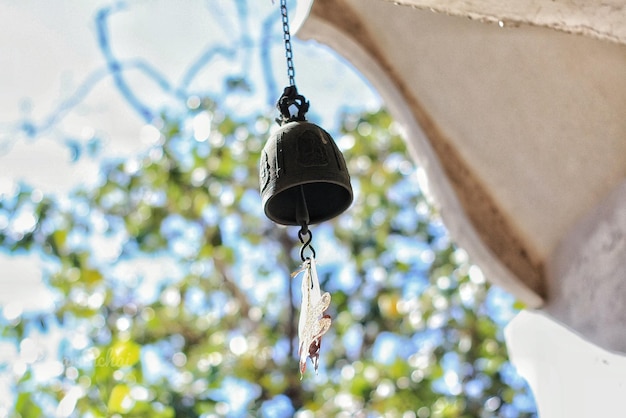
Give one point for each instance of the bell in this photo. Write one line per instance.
(304, 178)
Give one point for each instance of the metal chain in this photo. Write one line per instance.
(291, 73)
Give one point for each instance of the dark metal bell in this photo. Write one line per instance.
(304, 178)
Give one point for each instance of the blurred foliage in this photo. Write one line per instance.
(172, 291)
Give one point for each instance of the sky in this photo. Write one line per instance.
(69, 90)
(105, 70)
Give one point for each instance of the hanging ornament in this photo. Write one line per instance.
(304, 181)
(313, 323)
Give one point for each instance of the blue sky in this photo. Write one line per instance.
(67, 110)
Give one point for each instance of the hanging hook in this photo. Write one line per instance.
(304, 230)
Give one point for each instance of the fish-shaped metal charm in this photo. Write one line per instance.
(313, 322)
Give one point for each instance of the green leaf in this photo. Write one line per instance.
(27, 407)
(125, 353)
(119, 399)
(90, 277)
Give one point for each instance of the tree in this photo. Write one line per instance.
(173, 291)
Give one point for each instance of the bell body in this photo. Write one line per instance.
(301, 164)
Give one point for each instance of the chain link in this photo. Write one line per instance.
(304, 231)
(291, 73)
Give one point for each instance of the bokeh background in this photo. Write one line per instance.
(139, 275)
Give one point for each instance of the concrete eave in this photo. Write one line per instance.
(520, 128)
(603, 20)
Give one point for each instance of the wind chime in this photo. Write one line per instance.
(304, 181)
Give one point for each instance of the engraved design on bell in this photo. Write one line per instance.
(311, 151)
(265, 171)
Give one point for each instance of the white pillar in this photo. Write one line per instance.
(569, 377)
